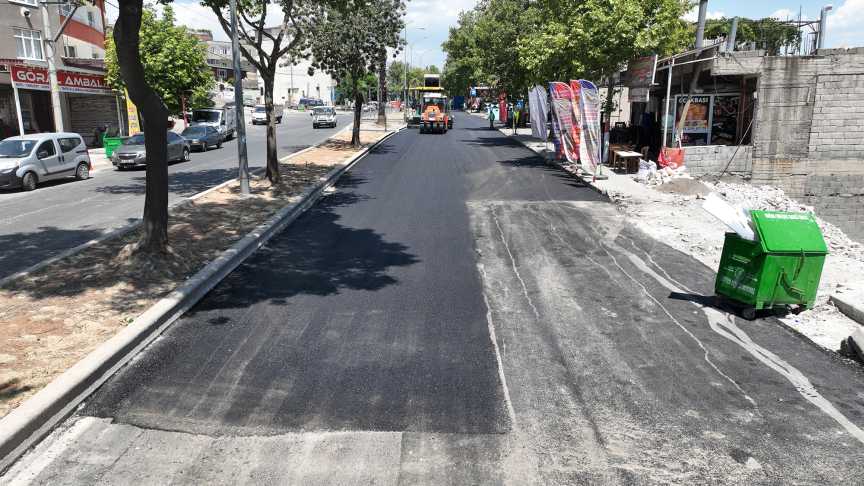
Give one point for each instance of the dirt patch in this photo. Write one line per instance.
(685, 187)
(57, 315)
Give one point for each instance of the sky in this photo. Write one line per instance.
(429, 20)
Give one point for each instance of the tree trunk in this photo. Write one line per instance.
(382, 88)
(272, 157)
(154, 122)
(358, 107)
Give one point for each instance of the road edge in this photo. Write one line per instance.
(26, 425)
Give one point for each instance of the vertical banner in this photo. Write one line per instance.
(538, 107)
(502, 108)
(132, 116)
(592, 143)
(564, 124)
(576, 88)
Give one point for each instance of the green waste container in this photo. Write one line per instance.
(110, 144)
(782, 268)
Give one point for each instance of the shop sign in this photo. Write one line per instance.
(34, 77)
(640, 77)
(132, 116)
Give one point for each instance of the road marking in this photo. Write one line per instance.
(510, 411)
(724, 325)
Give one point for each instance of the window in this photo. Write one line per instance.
(29, 44)
(70, 51)
(69, 144)
(66, 9)
(46, 150)
(173, 137)
(95, 55)
(91, 19)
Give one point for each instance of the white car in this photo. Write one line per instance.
(259, 114)
(28, 160)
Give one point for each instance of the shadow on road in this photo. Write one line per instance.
(181, 183)
(316, 256)
(21, 250)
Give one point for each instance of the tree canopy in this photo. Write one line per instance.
(174, 61)
(511, 44)
(769, 34)
(347, 44)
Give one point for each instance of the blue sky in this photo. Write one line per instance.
(845, 29)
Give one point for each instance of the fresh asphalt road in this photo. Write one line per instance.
(60, 215)
(458, 312)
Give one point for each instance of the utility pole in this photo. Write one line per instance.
(50, 44)
(240, 120)
(823, 26)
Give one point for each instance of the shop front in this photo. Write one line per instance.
(88, 104)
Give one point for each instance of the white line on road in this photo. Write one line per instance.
(492, 336)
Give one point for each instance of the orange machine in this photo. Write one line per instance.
(434, 116)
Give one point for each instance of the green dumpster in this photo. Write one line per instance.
(111, 143)
(782, 268)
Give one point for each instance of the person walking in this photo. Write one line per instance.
(491, 118)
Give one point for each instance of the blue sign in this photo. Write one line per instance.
(473, 91)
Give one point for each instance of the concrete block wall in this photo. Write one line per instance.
(711, 159)
(837, 129)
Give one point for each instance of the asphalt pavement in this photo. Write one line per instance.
(60, 215)
(459, 312)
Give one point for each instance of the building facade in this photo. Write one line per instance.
(86, 103)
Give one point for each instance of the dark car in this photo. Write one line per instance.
(132, 153)
(202, 137)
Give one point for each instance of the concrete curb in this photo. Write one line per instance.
(131, 226)
(852, 310)
(26, 425)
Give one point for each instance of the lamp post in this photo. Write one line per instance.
(823, 26)
(406, 66)
(239, 119)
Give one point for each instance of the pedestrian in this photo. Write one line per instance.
(491, 118)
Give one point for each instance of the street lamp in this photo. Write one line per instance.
(405, 62)
(239, 119)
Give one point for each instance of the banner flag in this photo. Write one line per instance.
(539, 107)
(591, 138)
(565, 127)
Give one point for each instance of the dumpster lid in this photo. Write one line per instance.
(781, 231)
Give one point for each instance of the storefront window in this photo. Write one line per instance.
(29, 44)
(724, 122)
(711, 119)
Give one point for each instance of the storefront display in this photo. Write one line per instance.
(711, 119)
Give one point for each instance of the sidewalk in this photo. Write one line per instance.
(672, 213)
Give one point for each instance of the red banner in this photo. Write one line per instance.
(34, 77)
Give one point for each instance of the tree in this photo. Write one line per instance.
(266, 47)
(593, 39)
(462, 67)
(174, 61)
(396, 77)
(347, 43)
(127, 42)
(769, 34)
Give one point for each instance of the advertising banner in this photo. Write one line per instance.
(640, 76)
(539, 106)
(35, 77)
(696, 125)
(132, 116)
(565, 126)
(590, 136)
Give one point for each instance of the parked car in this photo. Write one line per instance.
(28, 160)
(202, 137)
(132, 153)
(259, 114)
(323, 116)
(222, 119)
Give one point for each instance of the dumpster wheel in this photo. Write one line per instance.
(748, 313)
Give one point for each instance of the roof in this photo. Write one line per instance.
(40, 136)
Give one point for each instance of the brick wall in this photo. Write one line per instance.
(711, 159)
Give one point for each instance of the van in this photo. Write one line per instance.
(259, 114)
(222, 119)
(28, 160)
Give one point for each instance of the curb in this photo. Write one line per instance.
(851, 310)
(131, 226)
(26, 425)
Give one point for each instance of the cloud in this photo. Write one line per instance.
(783, 14)
(844, 25)
(693, 15)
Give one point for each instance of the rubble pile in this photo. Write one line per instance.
(649, 173)
(774, 199)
